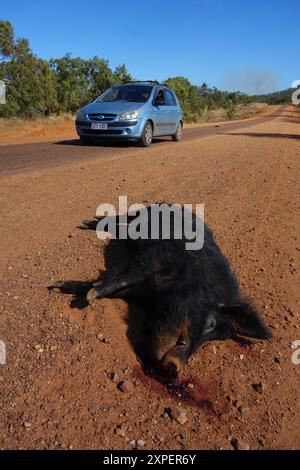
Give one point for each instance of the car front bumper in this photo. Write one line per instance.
(115, 129)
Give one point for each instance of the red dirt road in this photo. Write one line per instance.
(59, 385)
(38, 155)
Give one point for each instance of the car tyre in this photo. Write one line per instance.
(178, 134)
(147, 135)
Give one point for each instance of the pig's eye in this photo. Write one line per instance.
(210, 324)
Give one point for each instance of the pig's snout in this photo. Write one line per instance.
(173, 362)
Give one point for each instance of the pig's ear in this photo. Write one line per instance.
(245, 320)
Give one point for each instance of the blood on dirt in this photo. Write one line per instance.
(187, 391)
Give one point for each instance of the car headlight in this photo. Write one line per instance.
(80, 116)
(129, 115)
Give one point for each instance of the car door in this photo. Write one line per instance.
(159, 113)
(172, 112)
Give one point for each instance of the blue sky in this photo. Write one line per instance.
(248, 45)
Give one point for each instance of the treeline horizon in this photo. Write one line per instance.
(40, 88)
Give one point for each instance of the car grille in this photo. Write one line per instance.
(102, 132)
(101, 117)
(109, 124)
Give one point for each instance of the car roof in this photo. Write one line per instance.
(149, 83)
(143, 82)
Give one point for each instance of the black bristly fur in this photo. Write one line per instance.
(172, 285)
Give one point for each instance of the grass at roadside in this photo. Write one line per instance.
(18, 123)
(14, 131)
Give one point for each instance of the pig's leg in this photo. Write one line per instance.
(88, 225)
(92, 224)
(141, 268)
(125, 281)
(79, 288)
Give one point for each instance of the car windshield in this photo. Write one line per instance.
(132, 93)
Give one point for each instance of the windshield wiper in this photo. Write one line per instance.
(109, 101)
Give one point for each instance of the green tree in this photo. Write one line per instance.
(72, 84)
(6, 39)
(31, 89)
(230, 109)
(79, 81)
(122, 75)
(100, 76)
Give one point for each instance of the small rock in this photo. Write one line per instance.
(105, 341)
(259, 387)
(240, 444)
(113, 376)
(27, 424)
(72, 339)
(53, 348)
(140, 443)
(153, 421)
(190, 385)
(211, 348)
(180, 439)
(236, 403)
(179, 414)
(37, 347)
(120, 432)
(291, 312)
(224, 417)
(243, 410)
(125, 386)
(132, 443)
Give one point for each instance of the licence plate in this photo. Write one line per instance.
(98, 125)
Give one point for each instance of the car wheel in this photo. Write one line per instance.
(178, 134)
(85, 140)
(147, 135)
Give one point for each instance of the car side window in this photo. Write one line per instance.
(171, 101)
(160, 99)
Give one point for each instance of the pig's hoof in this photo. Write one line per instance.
(56, 285)
(92, 295)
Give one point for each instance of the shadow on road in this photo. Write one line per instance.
(266, 135)
(287, 116)
(108, 143)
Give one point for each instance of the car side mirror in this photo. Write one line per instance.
(159, 102)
